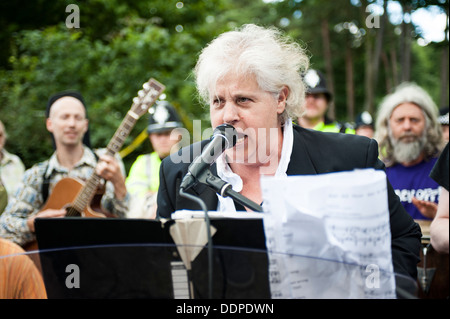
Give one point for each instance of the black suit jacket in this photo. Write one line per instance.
(313, 152)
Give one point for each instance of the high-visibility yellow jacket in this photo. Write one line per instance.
(144, 175)
(333, 127)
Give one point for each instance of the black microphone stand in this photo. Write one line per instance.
(224, 189)
(208, 234)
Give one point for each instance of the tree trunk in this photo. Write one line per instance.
(405, 49)
(443, 100)
(350, 92)
(368, 76)
(387, 72)
(368, 70)
(328, 65)
(395, 75)
(377, 55)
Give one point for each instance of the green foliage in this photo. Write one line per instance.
(108, 75)
(122, 43)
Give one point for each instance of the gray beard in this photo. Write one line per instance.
(405, 152)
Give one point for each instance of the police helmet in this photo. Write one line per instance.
(443, 116)
(163, 117)
(363, 119)
(316, 83)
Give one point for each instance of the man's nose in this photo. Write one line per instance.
(72, 121)
(230, 113)
(407, 124)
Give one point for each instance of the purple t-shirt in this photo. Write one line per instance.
(414, 181)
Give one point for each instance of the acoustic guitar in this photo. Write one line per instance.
(83, 199)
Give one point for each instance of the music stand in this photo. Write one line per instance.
(116, 258)
(136, 258)
(240, 269)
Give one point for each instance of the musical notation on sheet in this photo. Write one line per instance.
(328, 234)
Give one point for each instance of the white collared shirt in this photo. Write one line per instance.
(226, 204)
(11, 172)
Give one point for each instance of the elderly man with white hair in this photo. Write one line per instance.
(250, 78)
(410, 141)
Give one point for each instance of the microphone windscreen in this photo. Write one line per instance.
(229, 132)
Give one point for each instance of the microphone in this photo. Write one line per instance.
(224, 137)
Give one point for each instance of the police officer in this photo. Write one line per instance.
(318, 98)
(143, 179)
(443, 120)
(364, 124)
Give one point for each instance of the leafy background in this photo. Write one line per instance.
(120, 44)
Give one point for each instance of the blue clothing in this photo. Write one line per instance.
(414, 181)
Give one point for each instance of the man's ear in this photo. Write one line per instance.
(49, 125)
(282, 98)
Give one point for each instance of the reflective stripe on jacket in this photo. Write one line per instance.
(334, 128)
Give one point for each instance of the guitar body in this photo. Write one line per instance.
(66, 192)
(63, 195)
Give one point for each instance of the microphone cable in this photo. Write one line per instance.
(208, 232)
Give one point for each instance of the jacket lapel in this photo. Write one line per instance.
(300, 163)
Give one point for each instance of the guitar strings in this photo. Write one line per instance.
(151, 90)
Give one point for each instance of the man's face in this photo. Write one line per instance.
(407, 122)
(407, 131)
(67, 121)
(316, 106)
(253, 112)
(365, 130)
(445, 132)
(163, 143)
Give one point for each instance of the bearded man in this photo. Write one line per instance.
(410, 140)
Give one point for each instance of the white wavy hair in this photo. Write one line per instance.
(274, 59)
(408, 92)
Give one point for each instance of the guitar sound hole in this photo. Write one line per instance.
(72, 212)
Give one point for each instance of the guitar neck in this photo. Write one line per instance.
(152, 89)
(88, 191)
(86, 195)
(122, 133)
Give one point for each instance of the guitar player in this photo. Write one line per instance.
(73, 158)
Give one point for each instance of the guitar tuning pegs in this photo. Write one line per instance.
(146, 86)
(141, 93)
(135, 100)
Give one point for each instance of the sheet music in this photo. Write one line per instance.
(328, 235)
(186, 214)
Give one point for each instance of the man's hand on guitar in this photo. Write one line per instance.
(48, 213)
(108, 168)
